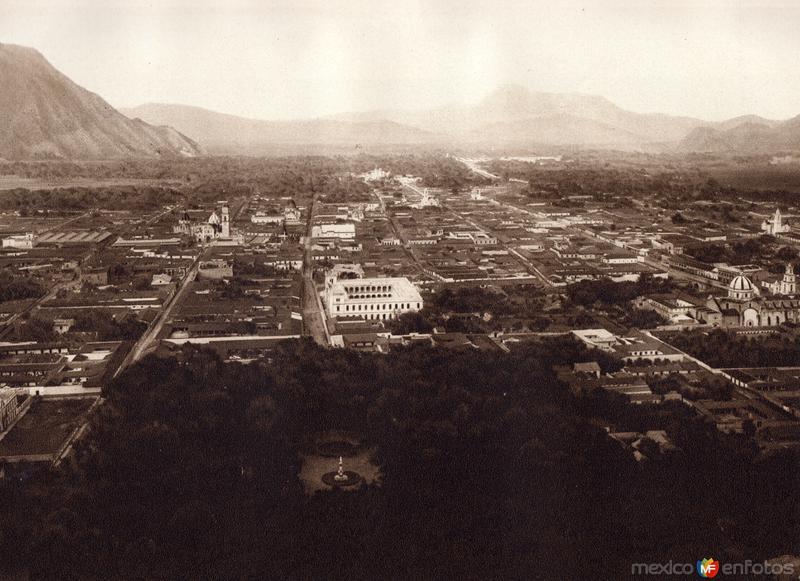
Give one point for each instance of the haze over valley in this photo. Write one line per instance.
(52, 117)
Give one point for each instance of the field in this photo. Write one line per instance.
(759, 177)
(12, 224)
(45, 427)
(10, 182)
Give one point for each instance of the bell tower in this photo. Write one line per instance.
(789, 282)
(226, 221)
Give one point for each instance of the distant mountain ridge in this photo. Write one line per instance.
(43, 114)
(511, 115)
(224, 133)
(46, 115)
(513, 105)
(753, 136)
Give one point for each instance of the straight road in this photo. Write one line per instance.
(529, 266)
(473, 166)
(313, 313)
(149, 339)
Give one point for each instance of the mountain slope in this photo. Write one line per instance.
(221, 132)
(557, 130)
(512, 104)
(750, 137)
(46, 115)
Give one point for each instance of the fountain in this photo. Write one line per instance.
(341, 477)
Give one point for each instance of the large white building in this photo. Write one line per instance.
(371, 298)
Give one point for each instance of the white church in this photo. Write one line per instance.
(774, 225)
(218, 225)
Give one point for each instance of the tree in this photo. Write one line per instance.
(786, 254)
(410, 322)
(35, 329)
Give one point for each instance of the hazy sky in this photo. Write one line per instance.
(303, 58)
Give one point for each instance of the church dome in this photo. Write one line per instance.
(741, 284)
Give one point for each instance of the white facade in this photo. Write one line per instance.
(217, 226)
(20, 241)
(375, 175)
(774, 226)
(787, 286)
(262, 218)
(371, 298)
(347, 231)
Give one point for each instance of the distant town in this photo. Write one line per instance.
(378, 260)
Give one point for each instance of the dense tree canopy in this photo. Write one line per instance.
(14, 288)
(607, 292)
(721, 348)
(491, 469)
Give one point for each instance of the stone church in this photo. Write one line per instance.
(217, 225)
(746, 307)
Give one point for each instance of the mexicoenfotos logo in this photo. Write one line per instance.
(708, 568)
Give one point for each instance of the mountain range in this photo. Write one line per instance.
(510, 116)
(752, 135)
(46, 115)
(223, 133)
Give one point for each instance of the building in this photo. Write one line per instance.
(669, 306)
(217, 226)
(787, 286)
(375, 175)
(371, 298)
(591, 369)
(343, 231)
(290, 216)
(264, 218)
(97, 276)
(774, 226)
(161, 279)
(10, 406)
(426, 201)
(745, 307)
(727, 272)
(62, 326)
(596, 338)
(630, 347)
(643, 445)
(21, 241)
(215, 269)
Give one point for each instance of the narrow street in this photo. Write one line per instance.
(149, 340)
(313, 313)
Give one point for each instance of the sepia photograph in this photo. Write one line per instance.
(417, 290)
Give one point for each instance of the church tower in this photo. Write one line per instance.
(789, 282)
(775, 225)
(226, 221)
